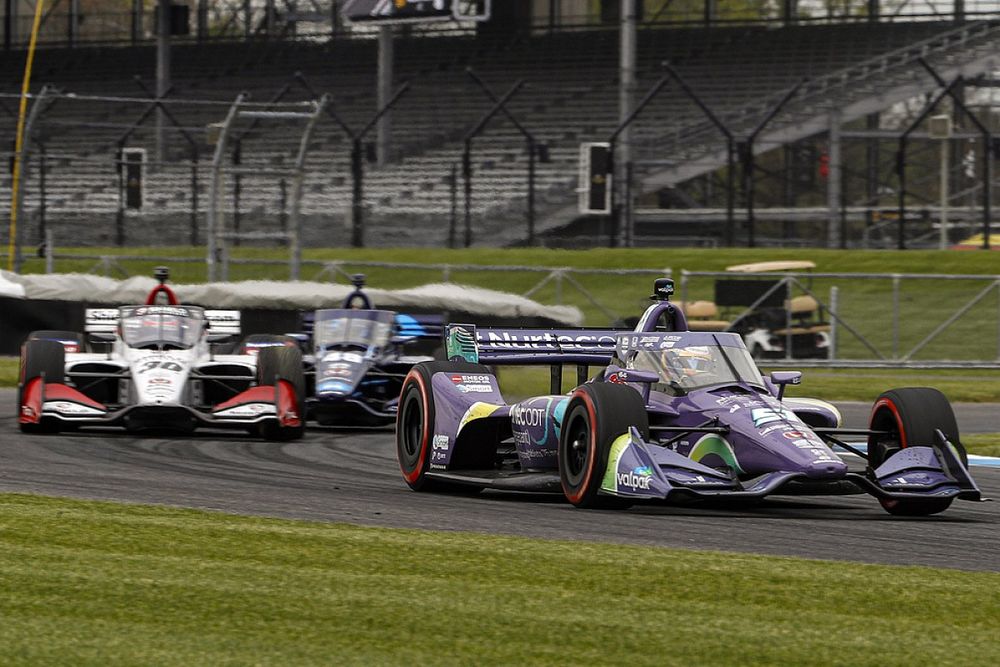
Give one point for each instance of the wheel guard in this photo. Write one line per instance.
(921, 472)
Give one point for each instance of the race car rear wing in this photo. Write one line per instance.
(406, 327)
(105, 321)
(529, 346)
(553, 347)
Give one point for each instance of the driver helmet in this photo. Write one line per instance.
(691, 361)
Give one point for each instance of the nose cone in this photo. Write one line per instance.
(334, 389)
(826, 470)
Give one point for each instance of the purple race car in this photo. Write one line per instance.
(673, 414)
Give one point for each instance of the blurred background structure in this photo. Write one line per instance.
(855, 123)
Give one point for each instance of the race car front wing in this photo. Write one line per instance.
(642, 470)
(55, 401)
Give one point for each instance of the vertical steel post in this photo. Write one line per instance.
(36, 110)
(833, 182)
(73, 22)
(298, 184)
(467, 183)
(357, 194)
(247, 19)
(42, 169)
(215, 241)
(834, 317)
(895, 317)
(202, 20)
(137, 20)
(531, 190)
(386, 57)
(194, 198)
(237, 188)
(8, 24)
(162, 77)
(453, 220)
(626, 101)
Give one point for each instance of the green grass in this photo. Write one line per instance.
(984, 444)
(88, 583)
(866, 305)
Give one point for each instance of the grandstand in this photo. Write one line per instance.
(570, 97)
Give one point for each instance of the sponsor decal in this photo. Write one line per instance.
(618, 378)
(772, 428)
(527, 416)
(248, 410)
(161, 310)
(473, 384)
(547, 340)
(474, 388)
(440, 442)
(638, 479)
(70, 408)
(794, 435)
(763, 416)
(470, 379)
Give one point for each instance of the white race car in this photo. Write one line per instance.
(159, 372)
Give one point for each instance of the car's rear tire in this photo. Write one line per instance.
(40, 357)
(910, 416)
(596, 414)
(415, 423)
(283, 363)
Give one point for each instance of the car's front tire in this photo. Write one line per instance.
(283, 363)
(40, 358)
(597, 413)
(909, 416)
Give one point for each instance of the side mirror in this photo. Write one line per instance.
(618, 375)
(785, 378)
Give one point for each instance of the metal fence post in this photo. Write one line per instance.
(833, 309)
(895, 317)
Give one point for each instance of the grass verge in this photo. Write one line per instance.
(100, 583)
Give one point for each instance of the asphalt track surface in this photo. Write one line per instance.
(352, 476)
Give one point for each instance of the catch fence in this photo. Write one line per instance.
(875, 319)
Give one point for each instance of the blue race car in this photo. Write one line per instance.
(355, 358)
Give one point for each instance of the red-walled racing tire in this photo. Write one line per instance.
(910, 416)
